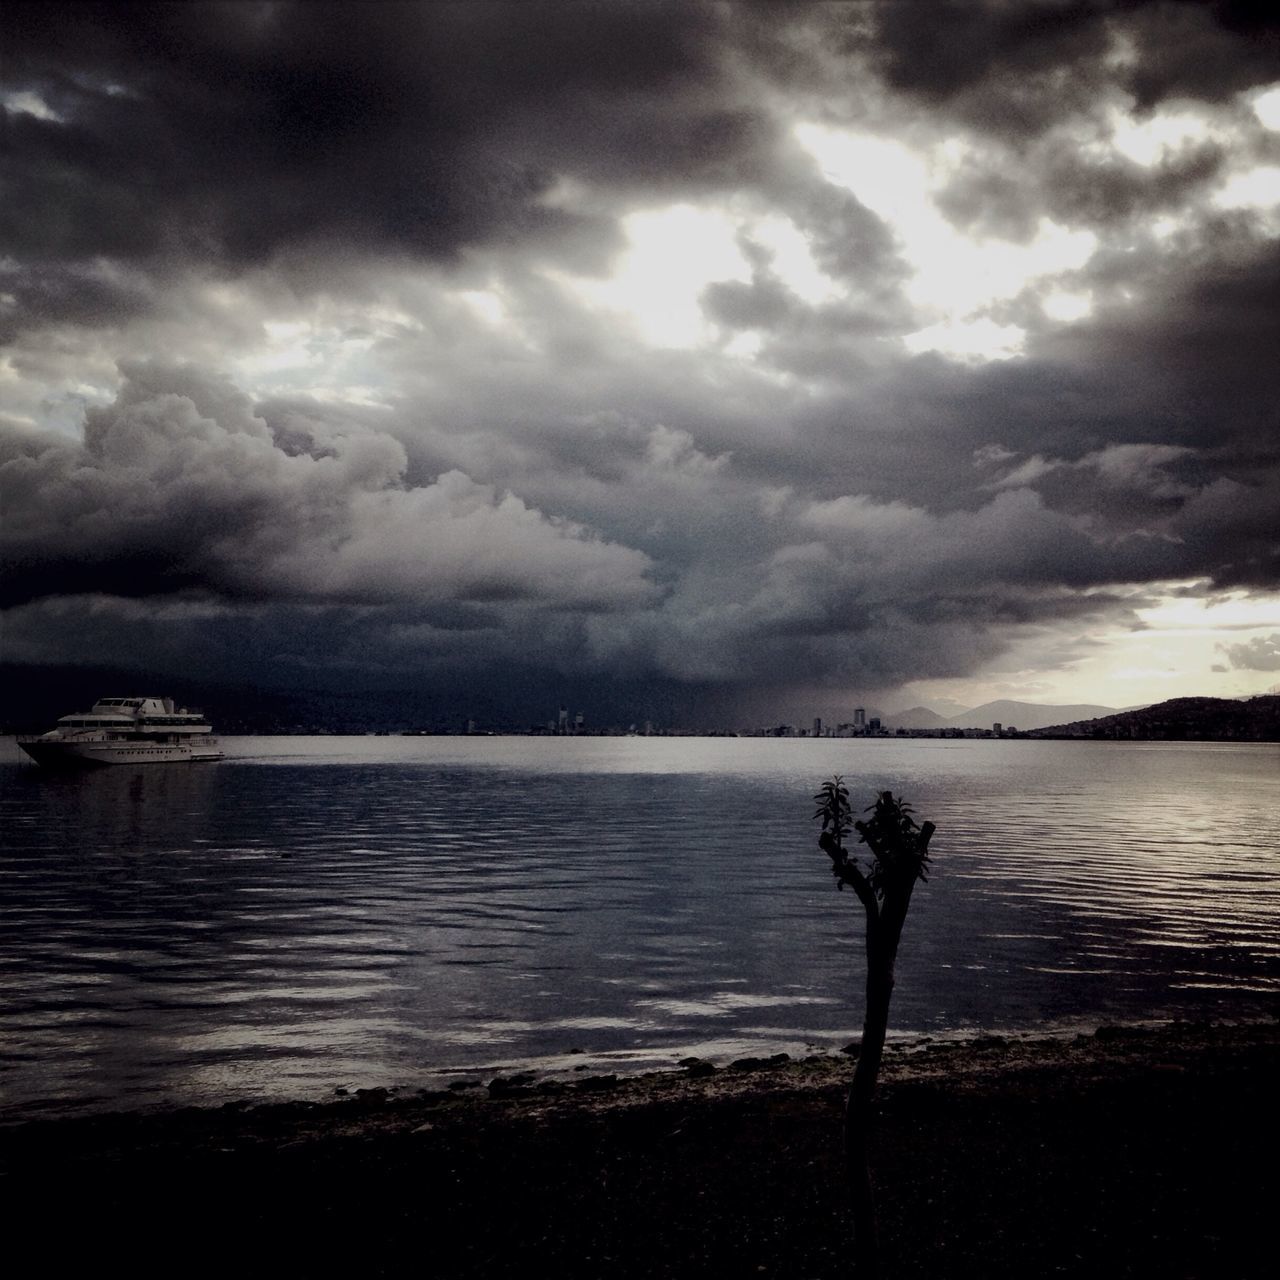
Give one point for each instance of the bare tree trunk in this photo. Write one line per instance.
(858, 1108)
(883, 933)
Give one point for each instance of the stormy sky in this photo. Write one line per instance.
(756, 361)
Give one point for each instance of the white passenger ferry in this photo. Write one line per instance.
(125, 731)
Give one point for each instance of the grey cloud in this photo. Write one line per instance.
(1133, 415)
(1112, 420)
(991, 63)
(863, 591)
(1233, 526)
(179, 484)
(1206, 51)
(764, 303)
(1013, 546)
(847, 240)
(225, 134)
(81, 294)
(1004, 195)
(1262, 653)
(1004, 67)
(186, 491)
(1141, 471)
(1103, 192)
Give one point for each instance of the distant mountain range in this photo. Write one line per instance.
(1012, 715)
(915, 718)
(1182, 719)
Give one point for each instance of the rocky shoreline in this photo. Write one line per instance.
(1128, 1152)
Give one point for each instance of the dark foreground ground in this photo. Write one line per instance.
(1120, 1154)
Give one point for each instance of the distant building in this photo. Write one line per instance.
(997, 728)
(860, 718)
(817, 726)
(562, 725)
(578, 722)
(873, 725)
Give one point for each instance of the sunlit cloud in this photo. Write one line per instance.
(1232, 611)
(1257, 189)
(672, 255)
(1154, 139)
(980, 339)
(1266, 106)
(886, 176)
(27, 103)
(290, 344)
(956, 277)
(1067, 307)
(486, 304)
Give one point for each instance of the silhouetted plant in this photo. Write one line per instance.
(899, 857)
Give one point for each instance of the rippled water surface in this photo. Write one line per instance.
(323, 912)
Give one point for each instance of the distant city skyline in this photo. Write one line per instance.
(708, 364)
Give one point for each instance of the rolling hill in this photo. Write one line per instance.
(1182, 719)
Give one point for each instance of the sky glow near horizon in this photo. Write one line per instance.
(1190, 631)
(560, 407)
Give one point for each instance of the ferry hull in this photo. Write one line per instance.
(92, 755)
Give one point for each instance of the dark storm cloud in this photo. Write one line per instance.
(180, 484)
(992, 62)
(1183, 363)
(1016, 69)
(216, 514)
(1187, 361)
(42, 296)
(1204, 50)
(225, 133)
(518, 504)
(1115, 424)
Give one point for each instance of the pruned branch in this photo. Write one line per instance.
(846, 871)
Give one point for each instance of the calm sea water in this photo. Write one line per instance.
(316, 913)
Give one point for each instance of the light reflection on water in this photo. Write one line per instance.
(322, 911)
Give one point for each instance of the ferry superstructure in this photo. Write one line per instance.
(125, 731)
